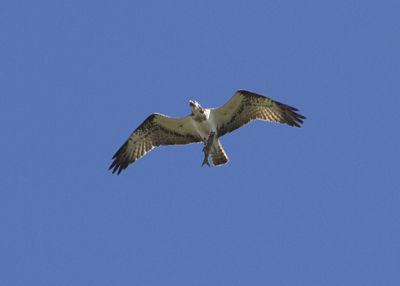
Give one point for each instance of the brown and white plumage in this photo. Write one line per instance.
(155, 131)
(247, 106)
(197, 127)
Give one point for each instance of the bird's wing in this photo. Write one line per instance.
(155, 131)
(247, 106)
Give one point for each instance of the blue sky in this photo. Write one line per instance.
(317, 205)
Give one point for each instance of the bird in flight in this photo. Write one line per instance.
(203, 125)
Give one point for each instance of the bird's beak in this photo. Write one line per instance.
(191, 103)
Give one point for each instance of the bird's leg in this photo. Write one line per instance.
(207, 148)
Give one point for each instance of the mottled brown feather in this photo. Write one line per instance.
(150, 134)
(246, 106)
(218, 155)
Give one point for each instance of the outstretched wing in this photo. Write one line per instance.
(155, 131)
(247, 106)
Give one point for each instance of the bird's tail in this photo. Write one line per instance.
(218, 154)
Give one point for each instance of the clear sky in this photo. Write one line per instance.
(319, 205)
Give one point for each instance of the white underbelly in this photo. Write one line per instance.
(203, 128)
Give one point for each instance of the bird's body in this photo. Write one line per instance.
(203, 125)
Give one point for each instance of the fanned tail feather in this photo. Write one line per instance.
(218, 154)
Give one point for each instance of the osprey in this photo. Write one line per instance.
(203, 125)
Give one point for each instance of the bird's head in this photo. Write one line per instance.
(196, 107)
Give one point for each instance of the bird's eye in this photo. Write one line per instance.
(202, 111)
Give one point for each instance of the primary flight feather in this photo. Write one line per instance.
(203, 125)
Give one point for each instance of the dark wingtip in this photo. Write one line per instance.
(117, 167)
(114, 167)
(291, 116)
(118, 163)
(120, 160)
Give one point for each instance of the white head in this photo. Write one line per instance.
(196, 107)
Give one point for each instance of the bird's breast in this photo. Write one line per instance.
(203, 127)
